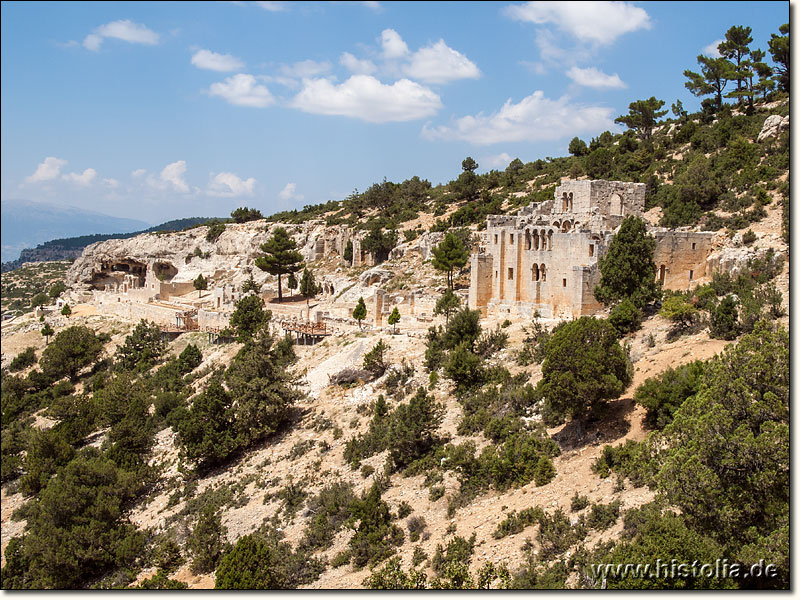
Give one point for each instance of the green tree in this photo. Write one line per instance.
(375, 359)
(360, 311)
(679, 112)
(250, 285)
(679, 311)
(625, 317)
(379, 243)
(599, 163)
(642, 116)
(254, 563)
(215, 229)
(465, 328)
(200, 284)
(450, 254)
(280, 257)
(23, 360)
(142, 348)
(724, 319)
(72, 350)
(394, 318)
(469, 164)
(249, 316)
(190, 358)
(447, 305)
(308, 285)
(412, 432)
(348, 252)
(46, 332)
(206, 430)
(577, 147)
(735, 47)
(583, 368)
(292, 283)
(726, 458)
(779, 49)
(244, 214)
(627, 270)
(712, 79)
(663, 395)
(57, 289)
(45, 452)
(66, 310)
(40, 299)
(766, 83)
(207, 542)
(464, 368)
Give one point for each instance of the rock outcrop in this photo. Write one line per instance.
(773, 125)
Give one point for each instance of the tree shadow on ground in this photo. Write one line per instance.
(606, 425)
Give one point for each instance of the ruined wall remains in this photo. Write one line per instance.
(545, 258)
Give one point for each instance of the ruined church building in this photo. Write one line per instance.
(546, 258)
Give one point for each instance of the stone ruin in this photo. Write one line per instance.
(545, 258)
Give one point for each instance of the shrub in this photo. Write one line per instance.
(206, 543)
(23, 360)
(215, 229)
(625, 317)
(663, 394)
(544, 472)
(375, 536)
(603, 516)
(578, 502)
(72, 350)
(724, 318)
(142, 348)
(416, 525)
(190, 358)
(584, 367)
(249, 316)
(375, 359)
(556, 534)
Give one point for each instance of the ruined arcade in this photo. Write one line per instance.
(545, 258)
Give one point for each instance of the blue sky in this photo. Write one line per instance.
(158, 110)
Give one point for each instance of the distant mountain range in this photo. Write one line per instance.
(35, 232)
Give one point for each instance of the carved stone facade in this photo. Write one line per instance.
(546, 258)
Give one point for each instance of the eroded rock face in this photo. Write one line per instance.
(184, 255)
(773, 125)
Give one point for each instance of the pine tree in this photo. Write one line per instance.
(200, 284)
(712, 79)
(447, 305)
(280, 257)
(308, 285)
(628, 270)
(779, 49)
(360, 311)
(394, 318)
(642, 116)
(46, 332)
(449, 255)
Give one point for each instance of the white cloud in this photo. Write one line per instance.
(271, 6)
(242, 90)
(305, 68)
(138, 172)
(124, 30)
(364, 97)
(356, 65)
(376, 6)
(83, 179)
(534, 118)
(289, 192)
(591, 77)
(392, 44)
(712, 50)
(49, 169)
(440, 64)
(112, 183)
(599, 22)
(229, 185)
(206, 59)
(498, 161)
(171, 177)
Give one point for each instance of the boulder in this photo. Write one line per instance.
(773, 125)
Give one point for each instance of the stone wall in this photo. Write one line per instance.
(681, 258)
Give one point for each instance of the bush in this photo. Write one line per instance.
(412, 428)
(603, 516)
(190, 358)
(375, 536)
(663, 394)
(544, 472)
(142, 348)
(72, 350)
(249, 316)
(584, 367)
(215, 229)
(578, 502)
(375, 359)
(23, 360)
(724, 318)
(625, 317)
(207, 543)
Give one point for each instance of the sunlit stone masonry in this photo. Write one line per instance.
(546, 258)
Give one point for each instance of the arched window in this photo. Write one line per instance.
(570, 202)
(565, 227)
(535, 272)
(542, 272)
(564, 202)
(535, 240)
(528, 241)
(550, 240)
(615, 205)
